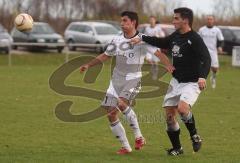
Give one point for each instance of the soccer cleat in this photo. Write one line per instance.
(174, 152)
(196, 142)
(139, 143)
(123, 151)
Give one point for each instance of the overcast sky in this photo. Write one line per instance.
(201, 6)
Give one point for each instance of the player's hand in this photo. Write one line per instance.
(170, 68)
(135, 40)
(202, 83)
(83, 68)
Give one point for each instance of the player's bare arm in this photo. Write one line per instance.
(164, 59)
(99, 59)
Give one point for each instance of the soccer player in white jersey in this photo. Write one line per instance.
(126, 78)
(153, 30)
(213, 38)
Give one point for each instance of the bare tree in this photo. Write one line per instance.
(224, 9)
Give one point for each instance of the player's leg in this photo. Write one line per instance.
(131, 118)
(110, 103)
(170, 103)
(189, 121)
(118, 130)
(187, 117)
(214, 69)
(173, 131)
(188, 97)
(214, 76)
(155, 69)
(154, 66)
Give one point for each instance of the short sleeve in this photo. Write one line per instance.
(111, 48)
(220, 35)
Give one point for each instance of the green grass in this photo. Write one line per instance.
(30, 131)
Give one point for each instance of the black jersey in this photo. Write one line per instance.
(190, 55)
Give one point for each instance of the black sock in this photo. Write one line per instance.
(190, 124)
(174, 138)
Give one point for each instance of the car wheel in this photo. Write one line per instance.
(60, 50)
(14, 47)
(98, 49)
(71, 48)
(7, 51)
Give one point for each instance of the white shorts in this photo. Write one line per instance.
(214, 60)
(152, 57)
(120, 87)
(187, 92)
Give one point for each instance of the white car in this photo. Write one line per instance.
(91, 35)
(5, 40)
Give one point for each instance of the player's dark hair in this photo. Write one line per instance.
(132, 16)
(185, 13)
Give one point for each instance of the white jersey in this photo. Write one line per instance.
(154, 31)
(129, 58)
(210, 37)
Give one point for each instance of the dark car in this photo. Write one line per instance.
(42, 36)
(231, 36)
(5, 40)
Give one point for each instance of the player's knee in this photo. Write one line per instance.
(112, 114)
(122, 104)
(171, 122)
(183, 110)
(170, 119)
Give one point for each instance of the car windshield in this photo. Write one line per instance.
(106, 30)
(237, 33)
(42, 29)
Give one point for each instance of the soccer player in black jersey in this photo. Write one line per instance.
(192, 62)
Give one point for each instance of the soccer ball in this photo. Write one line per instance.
(23, 22)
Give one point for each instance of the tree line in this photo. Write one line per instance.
(59, 13)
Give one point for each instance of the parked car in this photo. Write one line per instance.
(89, 33)
(42, 35)
(167, 28)
(231, 36)
(5, 40)
(113, 23)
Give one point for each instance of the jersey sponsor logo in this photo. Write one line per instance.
(124, 48)
(176, 51)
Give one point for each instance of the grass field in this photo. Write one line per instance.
(30, 131)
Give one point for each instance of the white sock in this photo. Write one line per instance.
(131, 118)
(119, 132)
